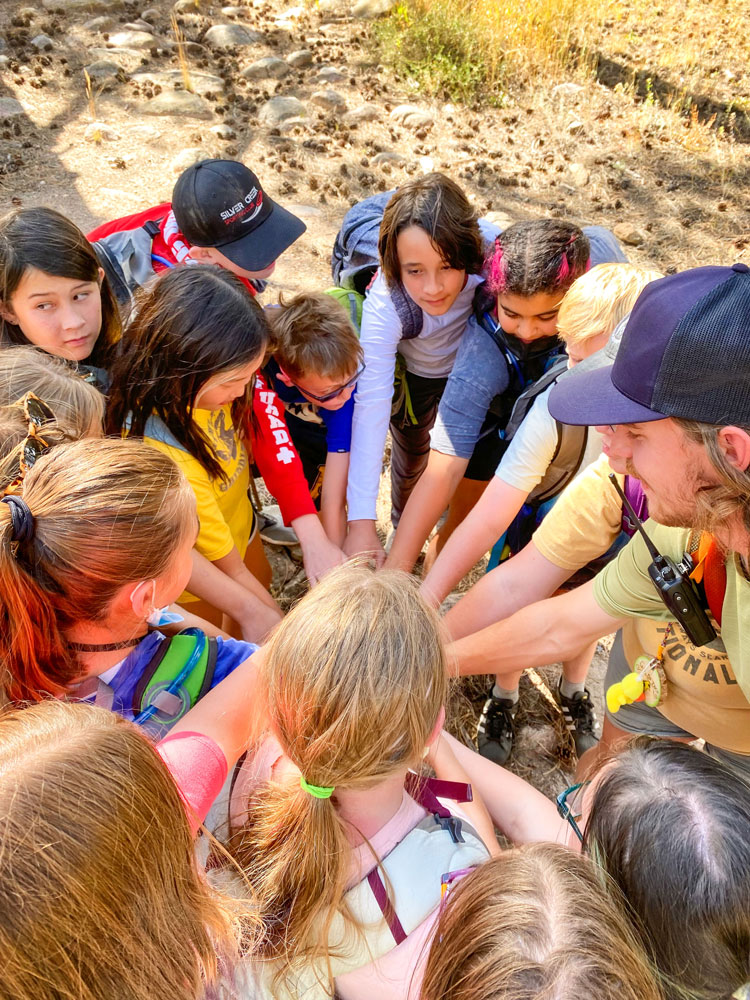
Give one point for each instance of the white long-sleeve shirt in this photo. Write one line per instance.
(431, 355)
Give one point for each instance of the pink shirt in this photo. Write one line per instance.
(199, 769)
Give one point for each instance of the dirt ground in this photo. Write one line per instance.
(619, 149)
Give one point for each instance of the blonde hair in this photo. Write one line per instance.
(717, 504)
(78, 407)
(106, 512)
(356, 679)
(313, 334)
(600, 299)
(100, 895)
(535, 924)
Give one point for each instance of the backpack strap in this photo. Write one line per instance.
(711, 573)
(526, 400)
(408, 312)
(637, 498)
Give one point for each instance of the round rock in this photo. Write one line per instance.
(9, 106)
(329, 74)
(203, 83)
(84, 6)
(300, 58)
(364, 113)
(187, 158)
(369, 9)
(278, 109)
(328, 100)
(269, 68)
(132, 40)
(389, 157)
(223, 131)
(103, 71)
(629, 234)
(99, 132)
(176, 102)
(411, 116)
(42, 42)
(230, 36)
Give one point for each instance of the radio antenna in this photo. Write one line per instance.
(653, 551)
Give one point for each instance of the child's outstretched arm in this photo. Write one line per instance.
(489, 519)
(446, 765)
(281, 468)
(428, 500)
(379, 336)
(232, 714)
(333, 496)
(518, 810)
(228, 584)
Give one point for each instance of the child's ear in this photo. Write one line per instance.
(438, 727)
(7, 314)
(283, 377)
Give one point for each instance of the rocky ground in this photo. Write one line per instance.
(99, 114)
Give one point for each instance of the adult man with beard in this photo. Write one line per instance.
(676, 410)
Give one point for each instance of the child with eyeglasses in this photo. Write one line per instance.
(316, 362)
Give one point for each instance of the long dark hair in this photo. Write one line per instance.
(671, 826)
(436, 204)
(192, 323)
(543, 255)
(45, 239)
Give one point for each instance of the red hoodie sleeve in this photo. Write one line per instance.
(276, 456)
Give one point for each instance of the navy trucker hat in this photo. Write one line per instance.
(685, 352)
(220, 203)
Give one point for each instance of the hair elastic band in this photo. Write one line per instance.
(21, 519)
(317, 791)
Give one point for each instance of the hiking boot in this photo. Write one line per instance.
(496, 728)
(272, 529)
(580, 719)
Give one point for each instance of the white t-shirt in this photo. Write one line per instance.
(431, 355)
(525, 463)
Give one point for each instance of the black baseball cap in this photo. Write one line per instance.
(685, 352)
(220, 203)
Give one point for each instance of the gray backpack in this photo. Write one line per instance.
(354, 259)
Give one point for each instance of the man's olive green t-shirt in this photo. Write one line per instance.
(708, 687)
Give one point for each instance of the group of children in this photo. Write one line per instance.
(142, 389)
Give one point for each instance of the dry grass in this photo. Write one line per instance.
(464, 48)
(179, 36)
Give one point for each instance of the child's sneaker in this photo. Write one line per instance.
(496, 728)
(580, 719)
(272, 529)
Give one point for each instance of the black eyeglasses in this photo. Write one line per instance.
(566, 811)
(330, 395)
(33, 446)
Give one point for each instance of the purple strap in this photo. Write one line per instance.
(389, 914)
(634, 492)
(425, 791)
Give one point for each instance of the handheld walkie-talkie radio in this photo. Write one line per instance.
(673, 583)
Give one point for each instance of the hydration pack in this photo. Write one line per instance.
(126, 259)
(177, 674)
